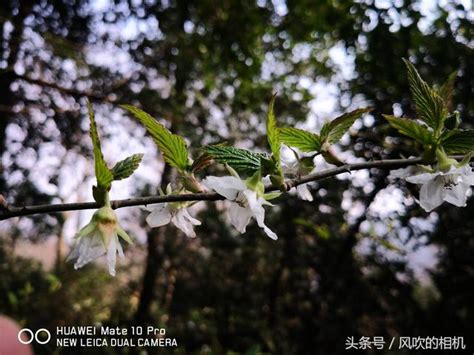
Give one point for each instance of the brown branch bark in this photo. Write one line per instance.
(16, 211)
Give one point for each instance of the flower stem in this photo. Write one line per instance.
(107, 200)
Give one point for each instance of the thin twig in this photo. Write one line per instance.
(12, 211)
(69, 91)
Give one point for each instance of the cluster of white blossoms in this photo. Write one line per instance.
(436, 128)
(445, 181)
(247, 199)
(449, 181)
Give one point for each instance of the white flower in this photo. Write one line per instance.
(451, 186)
(303, 192)
(293, 169)
(402, 173)
(246, 202)
(176, 212)
(99, 237)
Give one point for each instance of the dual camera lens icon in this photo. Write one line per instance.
(38, 336)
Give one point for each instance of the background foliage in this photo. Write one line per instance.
(207, 70)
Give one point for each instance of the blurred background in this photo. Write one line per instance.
(363, 259)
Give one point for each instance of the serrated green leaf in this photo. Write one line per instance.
(273, 133)
(301, 139)
(242, 160)
(124, 168)
(203, 161)
(172, 146)
(459, 142)
(448, 133)
(446, 91)
(410, 129)
(430, 107)
(332, 131)
(103, 174)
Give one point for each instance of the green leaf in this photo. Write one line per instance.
(172, 146)
(301, 139)
(459, 142)
(448, 133)
(124, 168)
(446, 91)
(430, 106)
(242, 160)
(410, 129)
(332, 131)
(273, 133)
(103, 174)
(203, 161)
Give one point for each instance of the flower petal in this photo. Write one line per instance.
(239, 217)
(160, 216)
(119, 249)
(181, 221)
(190, 218)
(269, 232)
(401, 173)
(431, 194)
(227, 186)
(86, 230)
(290, 167)
(465, 169)
(468, 177)
(422, 178)
(457, 194)
(304, 193)
(152, 206)
(255, 205)
(112, 254)
(88, 249)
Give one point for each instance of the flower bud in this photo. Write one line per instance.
(444, 162)
(190, 183)
(278, 181)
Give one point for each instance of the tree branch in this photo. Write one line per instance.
(7, 211)
(68, 91)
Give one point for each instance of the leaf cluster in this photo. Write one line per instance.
(123, 169)
(431, 130)
(172, 146)
(331, 133)
(436, 126)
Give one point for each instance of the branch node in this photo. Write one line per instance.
(289, 184)
(347, 168)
